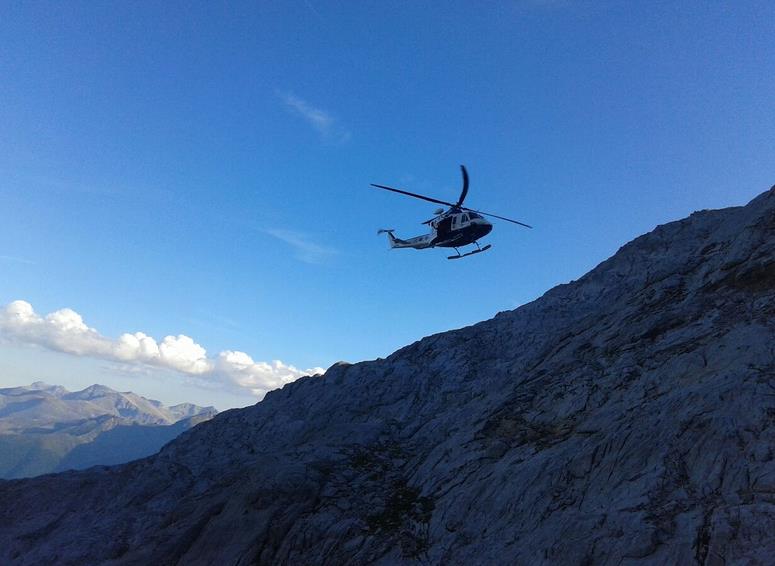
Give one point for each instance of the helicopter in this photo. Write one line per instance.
(455, 227)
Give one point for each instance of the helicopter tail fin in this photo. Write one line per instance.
(391, 237)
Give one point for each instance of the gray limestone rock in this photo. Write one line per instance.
(624, 418)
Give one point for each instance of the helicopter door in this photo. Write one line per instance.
(444, 227)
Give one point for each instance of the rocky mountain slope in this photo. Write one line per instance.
(46, 428)
(627, 417)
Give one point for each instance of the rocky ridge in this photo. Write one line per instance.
(627, 417)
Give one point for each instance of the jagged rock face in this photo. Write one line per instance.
(625, 417)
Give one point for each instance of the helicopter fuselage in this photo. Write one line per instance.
(459, 229)
(450, 230)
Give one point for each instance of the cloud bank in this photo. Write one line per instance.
(65, 331)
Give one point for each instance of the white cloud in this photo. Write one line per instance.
(320, 120)
(183, 354)
(62, 330)
(65, 331)
(137, 346)
(14, 259)
(306, 249)
(258, 376)
(314, 10)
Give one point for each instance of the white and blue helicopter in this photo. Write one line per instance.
(456, 227)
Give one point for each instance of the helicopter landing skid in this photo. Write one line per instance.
(478, 251)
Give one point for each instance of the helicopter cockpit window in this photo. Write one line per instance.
(465, 218)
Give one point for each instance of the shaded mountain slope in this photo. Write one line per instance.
(125, 442)
(626, 417)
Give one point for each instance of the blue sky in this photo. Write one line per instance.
(204, 170)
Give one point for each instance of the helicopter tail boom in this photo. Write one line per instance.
(418, 242)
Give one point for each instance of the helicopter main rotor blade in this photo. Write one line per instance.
(465, 186)
(496, 216)
(429, 199)
(454, 206)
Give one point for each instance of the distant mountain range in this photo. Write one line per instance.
(46, 428)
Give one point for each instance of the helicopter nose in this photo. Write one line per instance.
(483, 226)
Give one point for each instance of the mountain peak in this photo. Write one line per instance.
(93, 391)
(57, 390)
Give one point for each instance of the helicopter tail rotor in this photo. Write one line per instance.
(391, 237)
